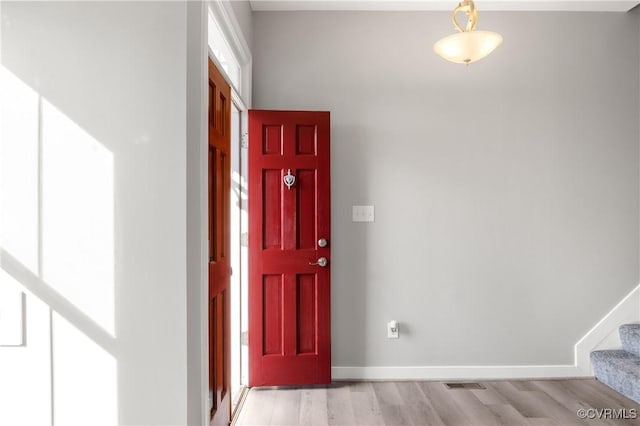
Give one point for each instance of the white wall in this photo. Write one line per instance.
(506, 192)
(101, 241)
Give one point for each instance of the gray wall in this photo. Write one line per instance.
(244, 15)
(506, 192)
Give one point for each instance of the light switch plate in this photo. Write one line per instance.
(363, 214)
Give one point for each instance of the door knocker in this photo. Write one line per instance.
(289, 179)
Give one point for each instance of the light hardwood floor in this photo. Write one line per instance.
(510, 403)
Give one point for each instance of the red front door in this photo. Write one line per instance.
(219, 232)
(289, 248)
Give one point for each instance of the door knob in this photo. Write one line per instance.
(322, 262)
(322, 242)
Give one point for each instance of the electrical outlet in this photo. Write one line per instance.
(393, 330)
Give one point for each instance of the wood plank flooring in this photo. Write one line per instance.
(509, 403)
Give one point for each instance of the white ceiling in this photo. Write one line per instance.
(448, 5)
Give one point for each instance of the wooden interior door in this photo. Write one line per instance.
(219, 246)
(289, 287)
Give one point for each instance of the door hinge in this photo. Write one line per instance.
(244, 140)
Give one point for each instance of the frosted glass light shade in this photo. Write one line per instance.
(468, 46)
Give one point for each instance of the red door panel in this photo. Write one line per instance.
(289, 293)
(219, 233)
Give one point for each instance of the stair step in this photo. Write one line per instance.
(630, 337)
(620, 370)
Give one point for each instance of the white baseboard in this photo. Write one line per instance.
(605, 331)
(627, 311)
(455, 372)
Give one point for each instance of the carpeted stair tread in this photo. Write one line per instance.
(619, 370)
(630, 338)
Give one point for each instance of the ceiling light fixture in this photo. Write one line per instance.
(468, 45)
